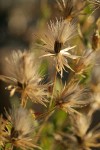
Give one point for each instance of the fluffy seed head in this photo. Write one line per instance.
(66, 8)
(23, 77)
(72, 97)
(21, 129)
(81, 136)
(84, 62)
(89, 138)
(54, 43)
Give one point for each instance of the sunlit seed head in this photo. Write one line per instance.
(22, 76)
(22, 128)
(87, 138)
(72, 97)
(69, 10)
(56, 43)
(85, 62)
(66, 8)
(60, 31)
(19, 116)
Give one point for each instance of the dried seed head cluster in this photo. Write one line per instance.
(54, 43)
(68, 10)
(23, 77)
(73, 97)
(86, 138)
(81, 136)
(22, 128)
(18, 117)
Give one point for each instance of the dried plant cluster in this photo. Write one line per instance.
(77, 98)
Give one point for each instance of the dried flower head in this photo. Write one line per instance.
(66, 7)
(86, 138)
(85, 62)
(23, 77)
(68, 10)
(3, 131)
(72, 97)
(21, 129)
(59, 34)
(80, 135)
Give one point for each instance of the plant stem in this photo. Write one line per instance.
(41, 128)
(53, 88)
(49, 111)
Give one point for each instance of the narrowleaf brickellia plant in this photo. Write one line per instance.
(67, 108)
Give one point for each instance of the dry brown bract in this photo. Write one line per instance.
(23, 77)
(54, 43)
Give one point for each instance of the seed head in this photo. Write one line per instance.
(68, 10)
(72, 97)
(86, 138)
(66, 7)
(85, 62)
(22, 128)
(54, 43)
(23, 77)
(80, 135)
